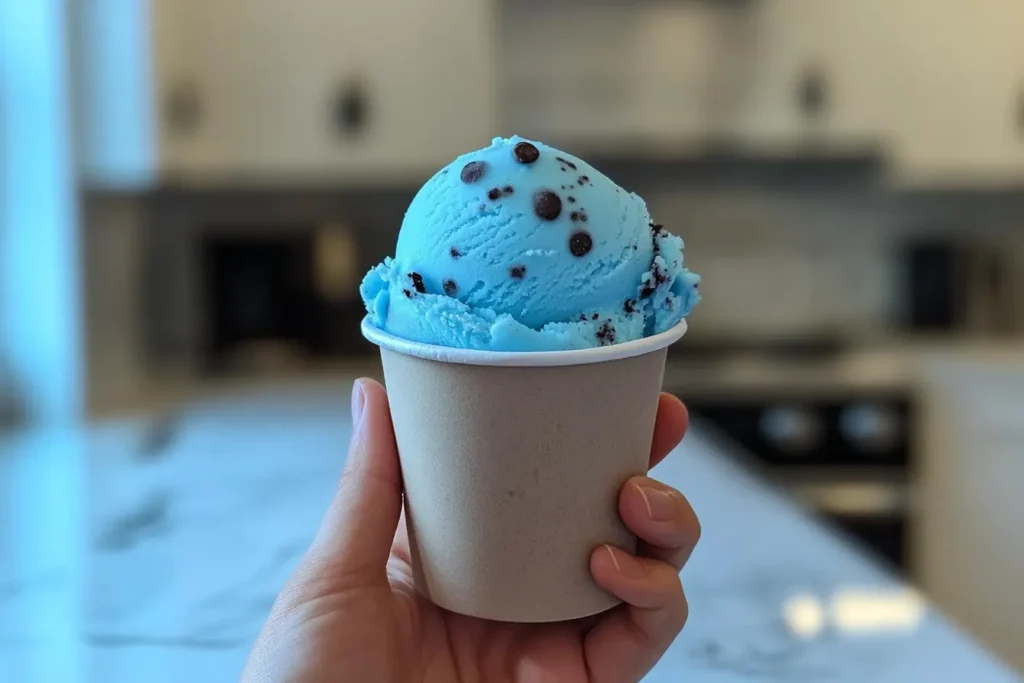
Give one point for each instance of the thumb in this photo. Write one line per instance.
(354, 540)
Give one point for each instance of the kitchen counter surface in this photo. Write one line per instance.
(152, 550)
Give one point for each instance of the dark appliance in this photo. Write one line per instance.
(260, 288)
(846, 454)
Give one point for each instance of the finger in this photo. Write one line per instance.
(669, 427)
(662, 518)
(630, 639)
(354, 539)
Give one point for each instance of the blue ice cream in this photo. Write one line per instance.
(522, 247)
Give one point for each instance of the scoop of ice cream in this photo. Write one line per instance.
(522, 247)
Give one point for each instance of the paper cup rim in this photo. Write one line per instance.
(599, 354)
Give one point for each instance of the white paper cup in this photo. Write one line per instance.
(512, 465)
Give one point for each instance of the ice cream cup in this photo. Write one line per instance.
(512, 465)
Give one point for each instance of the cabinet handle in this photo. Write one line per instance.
(183, 110)
(812, 92)
(350, 110)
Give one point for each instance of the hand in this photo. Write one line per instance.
(351, 613)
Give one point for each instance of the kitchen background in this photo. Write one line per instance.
(848, 176)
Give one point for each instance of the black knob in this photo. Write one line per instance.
(183, 110)
(873, 429)
(351, 109)
(792, 429)
(812, 92)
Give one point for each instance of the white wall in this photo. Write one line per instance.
(39, 273)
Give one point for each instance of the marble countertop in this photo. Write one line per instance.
(152, 550)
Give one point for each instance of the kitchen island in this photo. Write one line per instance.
(152, 549)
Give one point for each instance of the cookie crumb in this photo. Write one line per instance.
(525, 153)
(580, 243)
(606, 333)
(473, 171)
(547, 205)
(417, 283)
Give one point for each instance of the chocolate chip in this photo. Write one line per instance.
(444, 171)
(579, 216)
(507, 190)
(494, 193)
(455, 253)
(572, 200)
(629, 306)
(634, 247)
(566, 162)
(417, 283)
(657, 230)
(517, 272)
(582, 179)
(547, 205)
(473, 171)
(668, 304)
(595, 316)
(580, 243)
(583, 317)
(525, 153)
(450, 287)
(646, 291)
(408, 294)
(606, 333)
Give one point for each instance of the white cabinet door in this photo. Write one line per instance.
(782, 49)
(634, 77)
(429, 68)
(957, 108)
(811, 79)
(322, 89)
(247, 93)
(968, 547)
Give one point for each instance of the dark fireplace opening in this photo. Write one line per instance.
(260, 299)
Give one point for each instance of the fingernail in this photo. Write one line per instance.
(660, 505)
(358, 400)
(626, 564)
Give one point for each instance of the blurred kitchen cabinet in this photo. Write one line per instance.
(937, 86)
(630, 77)
(669, 78)
(310, 90)
(969, 551)
(957, 102)
(809, 80)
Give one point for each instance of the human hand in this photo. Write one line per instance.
(351, 611)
